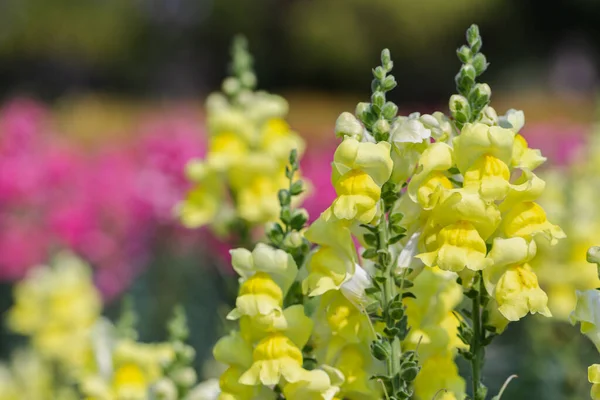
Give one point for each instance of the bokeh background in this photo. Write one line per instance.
(102, 106)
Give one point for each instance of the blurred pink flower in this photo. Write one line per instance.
(561, 143)
(109, 206)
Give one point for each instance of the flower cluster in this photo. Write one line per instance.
(440, 208)
(236, 184)
(75, 353)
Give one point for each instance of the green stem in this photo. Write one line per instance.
(476, 345)
(389, 293)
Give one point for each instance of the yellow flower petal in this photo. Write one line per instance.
(476, 140)
(518, 293)
(459, 246)
(274, 357)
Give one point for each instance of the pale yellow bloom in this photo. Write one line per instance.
(275, 357)
(359, 171)
(477, 140)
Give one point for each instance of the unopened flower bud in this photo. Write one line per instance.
(464, 54)
(480, 95)
(348, 125)
(165, 389)
(195, 170)
(389, 110)
(185, 377)
(460, 108)
(231, 85)
(293, 240)
(479, 63)
(381, 127)
(362, 108)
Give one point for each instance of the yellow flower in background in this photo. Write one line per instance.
(57, 308)
(203, 202)
(275, 357)
(278, 140)
(249, 145)
(135, 368)
(28, 376)
(359, 171)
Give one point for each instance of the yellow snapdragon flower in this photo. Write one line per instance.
(136, 367)
(334, 262)
(275, 357)
(259, 295)
(359, 171)
(57, 308)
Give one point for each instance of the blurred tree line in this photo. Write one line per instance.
(177, 48)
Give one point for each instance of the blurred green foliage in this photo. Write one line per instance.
(87, 30)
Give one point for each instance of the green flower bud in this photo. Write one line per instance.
(410, 374)
(165, 389)
(386, 59)
(231, 85)
(185, 377)
(348, 125)
(299, 219)
(465, 78)
(381, 127)
(389, 83)
(480, 95)
(293, 240)
(284, 197)
(378, 100)
(474, 38)
(480, 63)
(379, 73)
(248, 79)
(362, 109)
(381, 349)
(464, 54)
(460, 108)
(390, 110)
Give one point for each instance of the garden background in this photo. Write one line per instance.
(102, 106)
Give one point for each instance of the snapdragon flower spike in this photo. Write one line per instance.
(236, 183)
